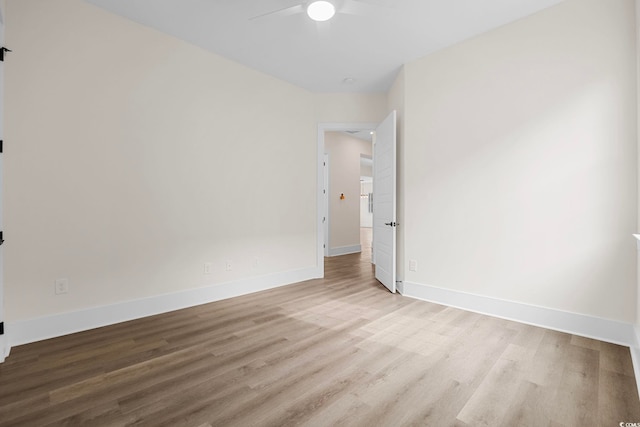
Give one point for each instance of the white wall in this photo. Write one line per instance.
(635, 349)
(344, 178)
(350, 107)
(520, 159)
(638, 140)
(135, 158)
(367, 169)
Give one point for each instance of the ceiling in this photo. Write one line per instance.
(365, 135)
(367, 40)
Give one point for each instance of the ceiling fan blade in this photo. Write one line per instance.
(287, 11)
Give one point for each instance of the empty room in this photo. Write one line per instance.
(166, 252)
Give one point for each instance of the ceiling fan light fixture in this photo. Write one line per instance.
(321, 10)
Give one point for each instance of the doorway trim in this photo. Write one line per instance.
(322, 128)
(326, 225)
(5, 346)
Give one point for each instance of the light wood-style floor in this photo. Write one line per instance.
(337, 351)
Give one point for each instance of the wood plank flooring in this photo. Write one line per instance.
(331, 352)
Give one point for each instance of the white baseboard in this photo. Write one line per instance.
(636, 334)
(5, 348)
(345, 250)
(577, 324)
(635, 355)
(31, 330)
(635, 359)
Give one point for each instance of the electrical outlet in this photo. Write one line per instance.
(229, 266)
(413, 265)
(61, 286)
(207, 268)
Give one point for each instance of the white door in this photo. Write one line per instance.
(4, 345)
(384, 202)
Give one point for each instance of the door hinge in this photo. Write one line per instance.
(1, 328)
(1, 145)
(1, 238)
(2, 51)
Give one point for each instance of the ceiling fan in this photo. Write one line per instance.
(321, 10)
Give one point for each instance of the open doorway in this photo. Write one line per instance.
(344, 198)
(384, 196)
(345, 152)
(366, 203)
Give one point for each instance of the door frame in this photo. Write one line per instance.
(320, 202)
(325, 216)
(5, 348)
